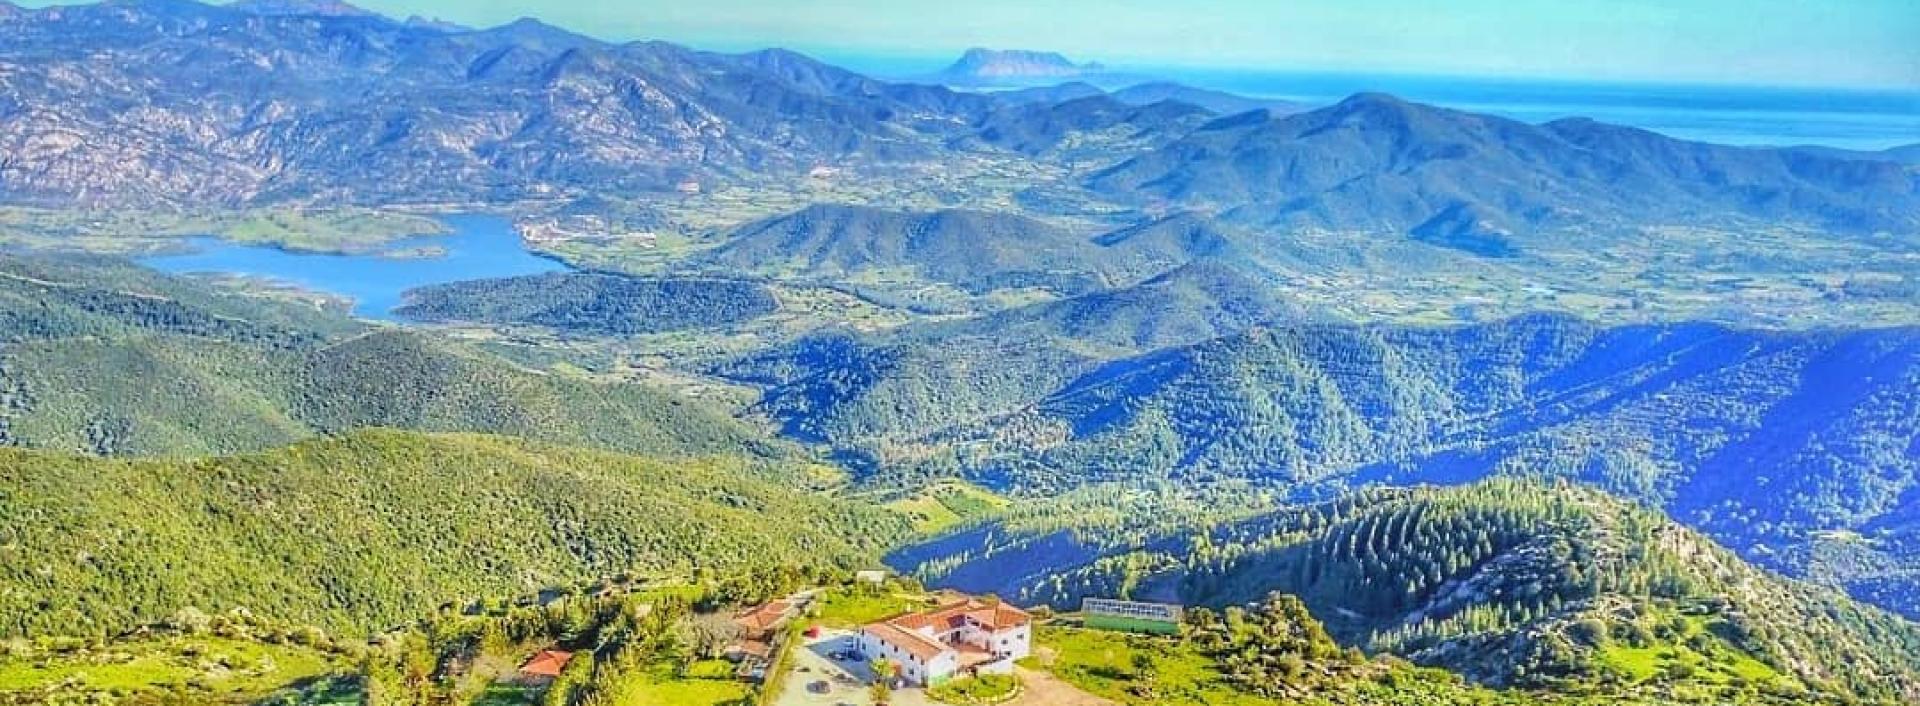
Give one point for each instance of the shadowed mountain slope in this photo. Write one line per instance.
(1377, 163)
(1509, 583)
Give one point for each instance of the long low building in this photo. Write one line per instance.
(1132, 616)
(962, 636)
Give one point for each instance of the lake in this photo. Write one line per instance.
(479, 247)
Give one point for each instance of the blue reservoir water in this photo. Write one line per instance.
(479, 247)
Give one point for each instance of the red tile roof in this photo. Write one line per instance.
(548, 663)
(1000, 616)
(992, 616)
(940, 617)
(920, 646)
(754, 648)
(902, 632)
(765, 617)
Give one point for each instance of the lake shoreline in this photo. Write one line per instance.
(473, 246)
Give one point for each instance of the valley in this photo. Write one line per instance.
(347, 359)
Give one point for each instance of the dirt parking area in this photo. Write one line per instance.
(823, 676)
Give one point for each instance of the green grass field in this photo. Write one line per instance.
(984, 689)
(659, 687)
(124, 232)
(1104, 664)
(507, 695)
(218, 670)
(841, 609)
(1719, 666)
(945, 504)
(709, 669)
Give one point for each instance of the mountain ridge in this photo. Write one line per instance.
(976, 250)
(519, 111)
(529, 113)
(1766, 440)
(1376, 162)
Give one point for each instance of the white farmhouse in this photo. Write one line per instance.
(964, 636)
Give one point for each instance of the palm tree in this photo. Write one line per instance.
(885, 671)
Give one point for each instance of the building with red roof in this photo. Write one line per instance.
(764, 618)
(962, 634)
(759, 635)
(546, 665)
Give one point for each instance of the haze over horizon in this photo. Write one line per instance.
(1854, 43)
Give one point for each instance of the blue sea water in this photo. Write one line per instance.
(479, 247)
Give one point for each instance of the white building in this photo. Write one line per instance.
(964, 636)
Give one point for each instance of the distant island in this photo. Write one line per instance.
(1015, 67)
(1043, 77)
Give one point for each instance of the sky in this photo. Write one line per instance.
(1863, 43)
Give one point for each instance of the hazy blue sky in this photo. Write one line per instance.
(1834, 42)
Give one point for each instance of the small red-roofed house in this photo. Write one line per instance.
(764, 618)
(546, 665)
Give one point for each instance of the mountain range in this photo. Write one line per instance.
(161, 102)
(1783, 440)
(1057, 342)
(169, 102)
(1149, 93)
(1378, 163)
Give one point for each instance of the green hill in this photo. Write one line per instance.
(1505, 582)
(366, 530)
(593, 302)
(877, 389)
(1381, 165)
(75, 296)
(976, 251)
(108, 359)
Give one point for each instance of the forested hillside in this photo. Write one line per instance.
(1505, 582)
(1037, 128)
(1766, 440)
(374, 528)
(107, 359)
(593, 303)
(974, 250)
(857, 391)
(1378, 163)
